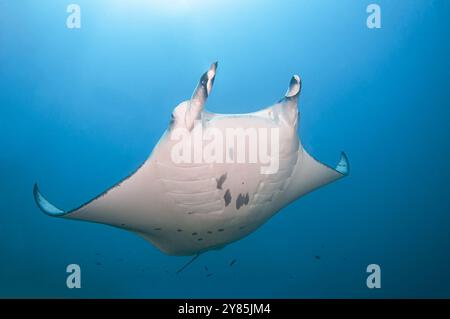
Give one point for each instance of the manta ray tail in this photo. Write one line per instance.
(188, 263)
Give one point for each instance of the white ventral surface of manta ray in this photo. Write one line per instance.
(187, 209)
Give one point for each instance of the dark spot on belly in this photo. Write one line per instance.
(227, 197)
(221, 180)
(242, 200)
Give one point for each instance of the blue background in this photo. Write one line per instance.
(81, 109)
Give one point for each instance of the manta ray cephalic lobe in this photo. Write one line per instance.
(188, 208)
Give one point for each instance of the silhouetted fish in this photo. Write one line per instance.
(232, 262)
(317, 257)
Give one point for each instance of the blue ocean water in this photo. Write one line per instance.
(82, 108)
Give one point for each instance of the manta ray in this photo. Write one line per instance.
(189, 208)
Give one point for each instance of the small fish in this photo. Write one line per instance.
(97, 254)
(232, 262)
(99, 263)
(317, 257)
(206, 268)
(209, 275)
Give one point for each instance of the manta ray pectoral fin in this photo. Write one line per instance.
(44, 205)
(51, 210)
(201, 93)
(343, 166)
(310, 174)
